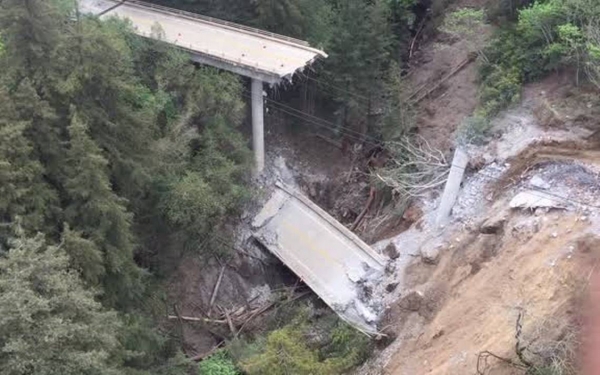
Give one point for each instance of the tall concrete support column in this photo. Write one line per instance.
(258, 126)
(457, 171)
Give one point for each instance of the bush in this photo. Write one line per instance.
(548, 36)
(286, 353)
(305, 346)
(474, 129)
(217, 364)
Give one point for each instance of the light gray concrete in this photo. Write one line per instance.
(327, 256)
(250, 52)
(457, 171)
(258, 127)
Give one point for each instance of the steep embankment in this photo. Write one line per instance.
(512, 267)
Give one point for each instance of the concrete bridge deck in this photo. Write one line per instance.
(244, 50)
(328, 257)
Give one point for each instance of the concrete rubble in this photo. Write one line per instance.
(532, 199)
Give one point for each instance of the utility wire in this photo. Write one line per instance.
(338, 88)
(363, 138)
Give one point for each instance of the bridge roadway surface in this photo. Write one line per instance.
(329, 258)
(247, 51)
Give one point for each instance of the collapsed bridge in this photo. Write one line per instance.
(331, 260)
(327, 256)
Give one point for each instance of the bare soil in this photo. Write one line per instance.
(477, 291)
(538, 265)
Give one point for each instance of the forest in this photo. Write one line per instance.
(117, 156)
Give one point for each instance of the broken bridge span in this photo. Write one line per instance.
(327, 256)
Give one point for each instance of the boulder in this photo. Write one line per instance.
(532, 199)
(493, 225)
(391, 287)
(412, 302)
(539, 183)
(391, 251)
(431, 254)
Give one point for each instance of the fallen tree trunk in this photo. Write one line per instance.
(194, 319)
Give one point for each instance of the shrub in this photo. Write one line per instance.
(286, 353)
(305, 346)
(217, 364)
(474, 129)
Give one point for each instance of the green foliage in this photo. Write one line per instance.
(399, 118)
(302, 344)
(101, 215)
(505, 10)
(549, 35)
(23, 191)
(217, 364)
(307, 19)
(474, 129)
(359, 58)
(49, 323)
(348, 347)
(501, 88)
(286, 353)
(469, 25)
(537, 23)
(100, 131)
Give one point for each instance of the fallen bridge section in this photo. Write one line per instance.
(329, 258)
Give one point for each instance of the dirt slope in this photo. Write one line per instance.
(539, 267)
(446, 309)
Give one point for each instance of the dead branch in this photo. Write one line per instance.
(520, 349)
(229, 322)
(360, 217)
(330, 141)
(414, 167)
(412, 45)
(460, 67)
(523, 364)
(268, 307)
(195, 319)
(202, 356)
(216, 289)
(482, 362)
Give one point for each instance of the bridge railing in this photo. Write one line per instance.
(184, 13)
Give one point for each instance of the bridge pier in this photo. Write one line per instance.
(258, 126)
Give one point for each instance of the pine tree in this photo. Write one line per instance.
(359, 55)
(100, 215)
(32, 32)
(49, 323)
(23, 192)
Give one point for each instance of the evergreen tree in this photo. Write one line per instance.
(309, 20)
(100, 215)
(31, 33)
(359, 56)
(23, 191)
(49, 323)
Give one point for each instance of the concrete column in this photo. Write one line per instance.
(459, 163)
(258, 126)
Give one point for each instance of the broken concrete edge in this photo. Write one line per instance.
(378, 258)
(270, 209)
(358, 324)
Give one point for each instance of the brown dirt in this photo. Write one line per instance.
(472, 298)
(441, 113)
(478, 289)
